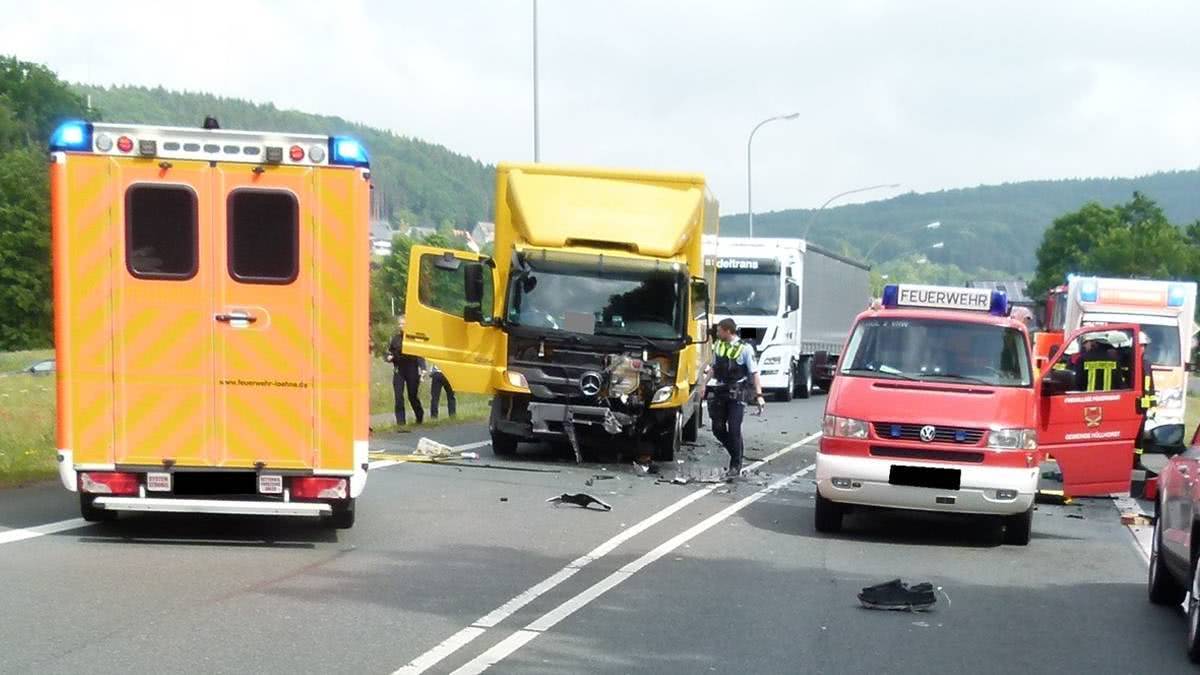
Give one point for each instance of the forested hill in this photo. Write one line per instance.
(994, 227)
(422, 183)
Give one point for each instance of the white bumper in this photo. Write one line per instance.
(219, 506)
(977, 494)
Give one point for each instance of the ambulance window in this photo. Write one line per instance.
(264, 231)
(160, 232)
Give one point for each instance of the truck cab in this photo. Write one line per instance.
(938, 407)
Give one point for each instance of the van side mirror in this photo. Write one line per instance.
(1057, 382)
(473, 283)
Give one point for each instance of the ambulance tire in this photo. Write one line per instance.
(503, 445)
(691, 430)
(93, 514)
(1164, 589)
(828, 515)
(342, 517)
(1018, 528)
(806, 380)
(666, 446)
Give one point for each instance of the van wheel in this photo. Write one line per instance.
(503, 445)
(691, 430)
(666, 446)
(94, 514)
(828, 515)
(806, 379)
(343, 516)
(1018, 528)
(1163, 587)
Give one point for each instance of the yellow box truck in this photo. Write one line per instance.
(590, 321)
(210, 320)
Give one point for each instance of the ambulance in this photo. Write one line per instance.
(211, 320)
(937, 406)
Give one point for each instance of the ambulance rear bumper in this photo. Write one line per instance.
(870, 486)
(216, 506)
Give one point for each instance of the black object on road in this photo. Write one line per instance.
(580, 499)
(897, 595)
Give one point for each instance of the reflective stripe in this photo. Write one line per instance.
(1106, 367)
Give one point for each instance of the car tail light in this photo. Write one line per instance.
(296, 153)
(319, 488)
(125, 144)
(108, 483)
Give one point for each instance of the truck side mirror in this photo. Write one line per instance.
(793, 297)
(473, 283)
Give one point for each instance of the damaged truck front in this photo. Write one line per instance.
(590, 322)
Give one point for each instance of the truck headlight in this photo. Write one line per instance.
(516, 379)
(663, 394)
(1170, 398)
(843, 427)
(1012, 439)
(771, 360)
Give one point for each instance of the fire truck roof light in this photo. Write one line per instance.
(346, 151)
(73, 135)
(945, 297)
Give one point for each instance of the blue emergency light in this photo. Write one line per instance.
(1089, 291)
(1176, 294)
(72, 135)
(346, 151)
(945, 297)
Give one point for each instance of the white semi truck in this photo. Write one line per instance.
(793, 301)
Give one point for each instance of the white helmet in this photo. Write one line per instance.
(1143, 339)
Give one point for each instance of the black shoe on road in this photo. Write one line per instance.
(897, 595)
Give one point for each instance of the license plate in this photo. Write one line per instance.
(270, 485)
(927, 477)
(158, 482)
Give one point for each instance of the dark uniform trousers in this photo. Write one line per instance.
(726, 412)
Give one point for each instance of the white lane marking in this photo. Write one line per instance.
(21, 534)
(512, 643)
(383, 463)
(491, 619)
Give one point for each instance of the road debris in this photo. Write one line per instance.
(469, 455)
(1130, 518)
(601, 476)
(896, 595)
(581, 499)
(427, 447)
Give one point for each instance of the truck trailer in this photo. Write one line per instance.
(793, 301)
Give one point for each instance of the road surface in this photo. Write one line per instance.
(458, 568)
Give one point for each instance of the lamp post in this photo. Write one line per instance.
(838, 196)
(931, 226)
(750, 165)
(537, 143)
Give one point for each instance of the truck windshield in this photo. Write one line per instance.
(597, 298)
(747, 293)
(940, 350)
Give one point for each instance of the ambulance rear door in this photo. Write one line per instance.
(161, 301)
(263, 316)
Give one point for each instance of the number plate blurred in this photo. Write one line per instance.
(158, 482)
(270, 485)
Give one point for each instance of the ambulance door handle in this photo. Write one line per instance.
(421, 337)
(236, 316)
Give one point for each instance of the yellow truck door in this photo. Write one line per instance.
(443, 327)
(263, 316)
(162, 297)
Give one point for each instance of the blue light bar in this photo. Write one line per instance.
(891, 295)
(345, 151)
(1089, 291)
(72, 136)
(1176, 295)
(945, 297)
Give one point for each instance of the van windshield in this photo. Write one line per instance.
(939, 350)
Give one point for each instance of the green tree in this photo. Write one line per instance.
(25, 291)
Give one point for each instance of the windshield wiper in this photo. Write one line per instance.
(653, 345)
(956, 376)
(878, 373)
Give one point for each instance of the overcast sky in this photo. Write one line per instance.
(925, 93)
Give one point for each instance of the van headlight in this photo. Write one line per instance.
(843, 427)
(663, 394)
(1012, 439)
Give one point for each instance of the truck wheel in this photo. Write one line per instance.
(691, 430)
(503, 445)
(806, 380)
(93, 514)
(1163, 587)
(828, 515)
(343, 516)
(787, 393)
(666, 446)
(1018, 527)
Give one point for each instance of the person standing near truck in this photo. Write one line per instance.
(407, 375)
(438, 383)
(734, 369)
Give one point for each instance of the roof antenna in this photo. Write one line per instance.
(210, 122)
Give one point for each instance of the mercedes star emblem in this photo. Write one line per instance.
(589, 383)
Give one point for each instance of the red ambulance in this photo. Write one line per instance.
(938, 407)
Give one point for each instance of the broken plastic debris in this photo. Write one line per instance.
(427, 447)
(581, 499)
(470, 455)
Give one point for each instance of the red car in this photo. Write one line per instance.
(1176, 540)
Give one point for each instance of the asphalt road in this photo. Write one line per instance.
(456, 568)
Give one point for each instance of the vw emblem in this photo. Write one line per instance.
(928, 433)
(589, 383)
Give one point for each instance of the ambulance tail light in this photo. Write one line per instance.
(108, 483)
(296, 153)
(315, 487)
(125, 144)
(1012, 439)
(843, 427)
(345, 151)
(72, 136)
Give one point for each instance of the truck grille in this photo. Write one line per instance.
(912, 432)
(932, 455)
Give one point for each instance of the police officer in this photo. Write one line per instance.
(737, 376)
(407, 375)
(438, 383)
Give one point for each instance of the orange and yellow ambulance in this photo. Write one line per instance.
(937, 407)
(211, 320)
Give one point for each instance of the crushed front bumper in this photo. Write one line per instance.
(549, 418)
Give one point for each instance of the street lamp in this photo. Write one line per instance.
(931, 226)
(749, 164)
(537, 143)
(839, 196)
